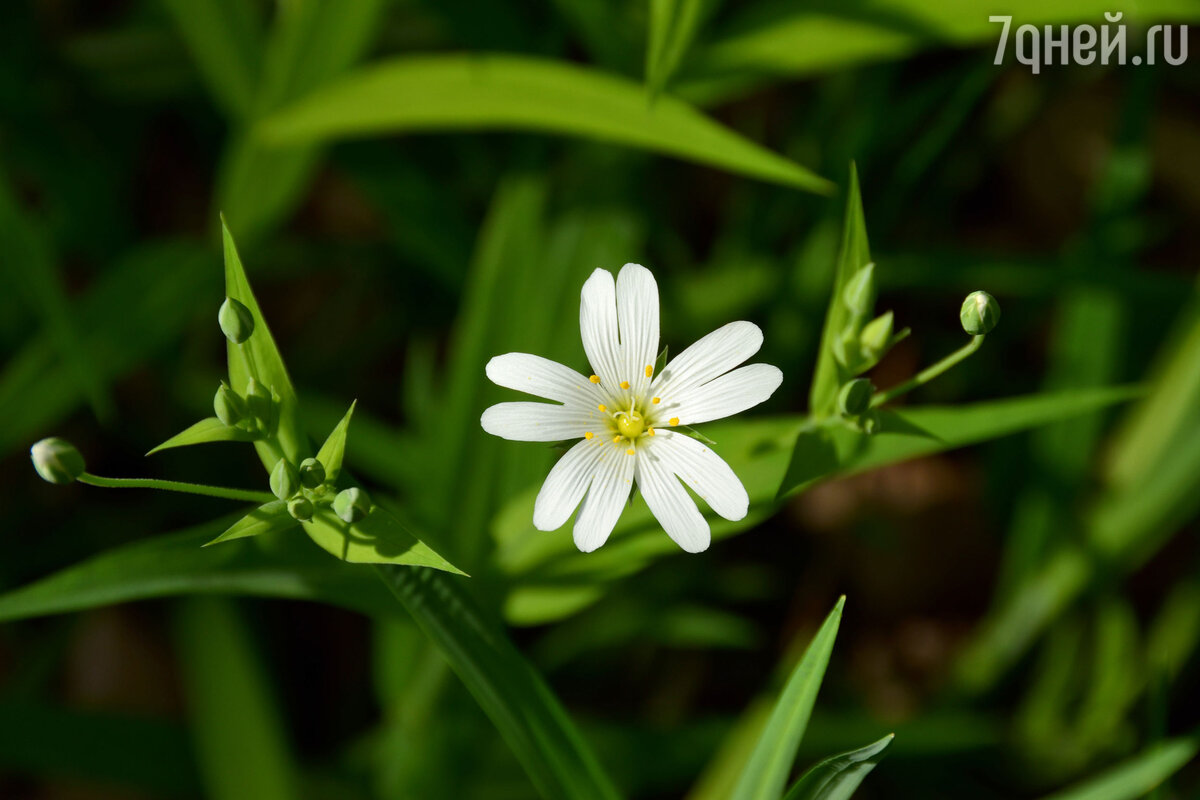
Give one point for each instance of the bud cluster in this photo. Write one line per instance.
(306, 488)
(256, 412)
(863, 341)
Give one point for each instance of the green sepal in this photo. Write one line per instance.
(660, 363)
(209, 429)
(334, 449)
(695, 434)
(267, 518)
(285, 479)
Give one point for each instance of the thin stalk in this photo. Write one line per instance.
(244, 495)
(928, 374)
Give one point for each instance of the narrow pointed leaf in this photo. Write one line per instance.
(225, 40)
(837, 777)
(206, 430)
(415, 94)
(520, 704)
(1135, 777)
(378, 538)
(332, 452)
(673, 26)
(766, 773)
(267, 518)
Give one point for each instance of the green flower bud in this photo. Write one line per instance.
(312, 473)
(237, 323)
(56, 460)
(285, 481)
(870, 423)
(352, 504)
(855, 397)
(261, 404)
(980, 313)
(229, 407)
(876, 335)
(301, 508)
(847, 349)
(859, 293)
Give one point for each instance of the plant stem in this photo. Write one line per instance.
(928, 374)
(245, 495)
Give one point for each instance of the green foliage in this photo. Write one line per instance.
(837, 777)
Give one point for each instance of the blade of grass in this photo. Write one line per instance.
(224, 38)
(837, 777)
(1133, 778)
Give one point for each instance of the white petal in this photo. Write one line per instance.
(543, 378)
(637, 314)
(598, 326)
(670, 503)
(730, 394)
(605, 499)
(566, 485)
(711, 356)
(539, 422)
(703, 470)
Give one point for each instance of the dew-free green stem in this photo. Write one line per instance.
(928, 374)
(245, 495)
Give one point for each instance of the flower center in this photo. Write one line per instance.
(630, 424)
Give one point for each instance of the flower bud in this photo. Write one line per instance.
(285, 481)
(312, 473)
(301, 508)
(870, 423)
(876, 335)
(352, 504)
(980, 313)
(56, 460)
(855, 397)
(260, 403)
(229, 408)
(237, 323)
(859, 293)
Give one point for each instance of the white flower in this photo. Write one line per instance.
(623, 415)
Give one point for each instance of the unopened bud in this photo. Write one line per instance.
(56, 460)
(285, 481)
(352, 504)
(312, 473)
(260, 403)
(229, 408)
(301, 508)
(237, 323)
(855, 397)
(859, 294)
(980, 313)
(876, 335)
(870, 423)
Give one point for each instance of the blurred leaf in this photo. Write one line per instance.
(224, 38)
(206, 430)
(259, 358)
(331, 453)
(1133, 778)
(273, 565)
(838, 776)
(673, 25)
(378, 538)
(909, 433)
(239, 736)
(1175, 631)
(854, 254)
(267, 518)
(765, 774)
(515, 93)
(509, 690)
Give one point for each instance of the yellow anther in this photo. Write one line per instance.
(649, 370)
(656, 400)
(602, 407)
(673, 421)
(629, 452)
(594, 379)
(650, 431)
(624, 384)
(617, 439)
(588, 434)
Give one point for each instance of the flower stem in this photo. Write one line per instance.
(245, 495)
(928, 374)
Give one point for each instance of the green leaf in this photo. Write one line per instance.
(206, 430)
(767, 770)
(273, 565)
(838, 776)
(854, 254)
(267, 518)
(673, 26)
(1135, 777)
(378, 538)
(331, 453)
(415, 94)
(507, 688)
(225, 40)
(930, 429)
(259, 358)
(239, 735)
